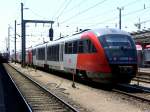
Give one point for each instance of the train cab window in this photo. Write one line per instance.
(116, 41)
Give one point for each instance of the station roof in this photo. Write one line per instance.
(142, 36)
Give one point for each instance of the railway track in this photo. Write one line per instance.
(142, 77)
(134, 91)
(38, 98)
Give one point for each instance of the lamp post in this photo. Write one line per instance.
(15, 41)
(120, 9)
(8, 49)
(22, 37)
(8, 41)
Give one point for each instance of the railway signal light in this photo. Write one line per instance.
(51, 32)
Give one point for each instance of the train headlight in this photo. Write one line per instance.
(114, 58)
(130, 58)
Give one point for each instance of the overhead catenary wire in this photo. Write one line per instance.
(91, 18)
(58, 11)
(38, 15)
(75, 6)
(130, 3)
(67, 3)
(136, 11)
(64, 8)
(83, 11)
(133, 12)
(108, 11)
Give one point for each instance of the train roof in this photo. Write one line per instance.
(98, 32)
(147, 46)
(105, 31)
(138, 47)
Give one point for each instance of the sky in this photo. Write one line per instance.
(68, 16)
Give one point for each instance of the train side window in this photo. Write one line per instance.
(33, 52)
(66, 48)
(89, 47)
(80, 46)
(49, 53)
(41, 53)
(38, 56)
(70, 48)
(56, 53)
(74, 47)
(53, 53)
(93, 49)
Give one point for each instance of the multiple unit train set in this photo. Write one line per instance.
(106, 55)
(4, 57)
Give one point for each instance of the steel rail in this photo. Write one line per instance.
(129, 94)
(29, 108)
(45, 89)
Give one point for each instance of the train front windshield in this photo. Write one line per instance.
(116, 41)
(119, 48)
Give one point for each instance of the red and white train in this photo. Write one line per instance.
(147, 55)
(143, 53)
(102, 55)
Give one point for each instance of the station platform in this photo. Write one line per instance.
(2, 103)
(144, 71)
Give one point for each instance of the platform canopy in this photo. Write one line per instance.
(142, 36)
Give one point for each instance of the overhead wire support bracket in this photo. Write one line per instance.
(38, 21)
(23, 33)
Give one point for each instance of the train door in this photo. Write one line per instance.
(34, 56)
(61, 55)
(70, 56)
(30, 56)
